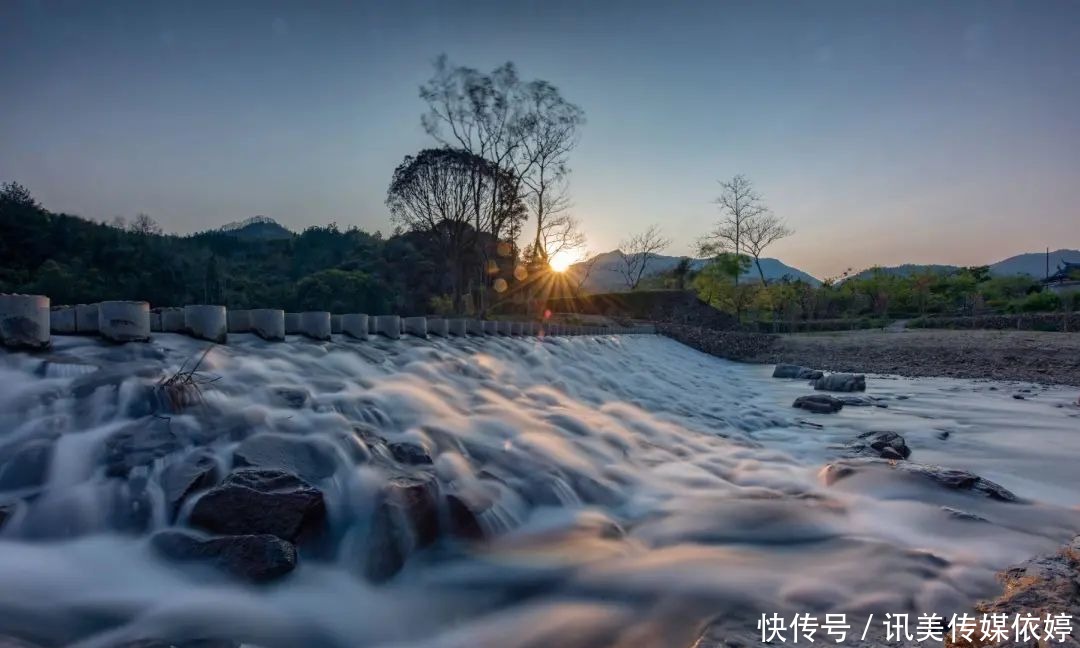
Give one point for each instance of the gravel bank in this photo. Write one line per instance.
(1029, 356)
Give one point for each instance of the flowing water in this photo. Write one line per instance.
(639, 491)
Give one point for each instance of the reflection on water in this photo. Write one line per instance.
(628, 490)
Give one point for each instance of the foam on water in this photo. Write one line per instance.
(640, 489)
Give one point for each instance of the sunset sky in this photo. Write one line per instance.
(884, 132)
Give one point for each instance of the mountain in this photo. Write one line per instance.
(257, 228)
(605, 276)
(906, 270)
(1034, 263)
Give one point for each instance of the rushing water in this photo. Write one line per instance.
(642, 490)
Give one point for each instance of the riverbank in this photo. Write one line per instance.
(1027, 356)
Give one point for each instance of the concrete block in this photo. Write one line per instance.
(457, 327)
(62, 320)
(355, 325)
(86, 318)
(155, 321)
(207, 322)
(416, 326)
(335, 323)
(517, 328)
(172, 320)
(268, 323)
(491, 328)
(474, 327)
(315, 325)
(24, 321)
(506, 328)
(438, 326)
(388, 325)
(124, 321)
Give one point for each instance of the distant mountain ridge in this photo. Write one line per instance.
(1033, 264)
(605, 275)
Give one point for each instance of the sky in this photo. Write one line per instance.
(883, 132)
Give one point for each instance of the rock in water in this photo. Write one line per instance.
(139, 445)
(6, 511)
(409, 453)
(795, 371)
(887, 445)
(197, 471)
(254, 502)
(841, 382)
(310, 458)
(257, 558)
(947, 477)
(25, 464)
(818, 403)
(406, 518)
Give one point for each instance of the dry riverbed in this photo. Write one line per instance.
(1030, 356)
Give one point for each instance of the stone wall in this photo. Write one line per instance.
(743, 346)
(1066, 322)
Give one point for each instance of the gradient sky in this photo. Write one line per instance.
(885, 132)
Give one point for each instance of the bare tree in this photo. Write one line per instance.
(762, 231)
(636, 251)
(739, 205)
(145, 225)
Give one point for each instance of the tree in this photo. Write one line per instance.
(739, 205)
(680, 272)
(761, 231)
(145, 226)
(15, 196)
(636, 251)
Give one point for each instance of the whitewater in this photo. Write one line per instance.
(636, 492)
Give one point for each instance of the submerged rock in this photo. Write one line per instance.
(258, 502)
(841, 382)
(947, 477)
(796, 371)
(6, 511)
(311, 458)
(887, 445)
(25, 464)
(406, 518)
(410, 453)
(139, 444)
(292, 397)
(967, 516)
(256, 558)
(196, 471)
(819, 403)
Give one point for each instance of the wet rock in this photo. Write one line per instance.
(949, 478)
(25, 464)
(1019, 396)
(887, 445)
(6, 512)
(819, 403)
(841, 382)
(257, 501)
(131, 510)
(409, 453)
(293, 397)
(406, 518)
(310, 458)
(957, 514)
(256, 558)
(139, 445)
(465, 510)
(796, 371)
(197, 471)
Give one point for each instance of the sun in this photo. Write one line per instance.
(562, 260)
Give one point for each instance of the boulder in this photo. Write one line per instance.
(256, 558)
(410, 453)
(818, 404)
(139, 445)
(406, 518)
(310, 458)
(197, 471)
(255, 502)
(841, 382)
(887, 445)
(25, 464)
(292, 397)
(796, 371)
(949, 478)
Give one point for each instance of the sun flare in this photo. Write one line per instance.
(560, 261)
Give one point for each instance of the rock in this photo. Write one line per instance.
(256, 558)
(818, 403)
(947, 477)
(310, 458)
(6, 512)
(25, 464)
(963, 515)
(410, 453)
(841, 382)
(1019, 396)
(860, 401)
(294, 397)
(139, 445)
(197, 471)
(255, 502)
(406, 518)
(464, 510)
(795, 371)
(887, 445)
